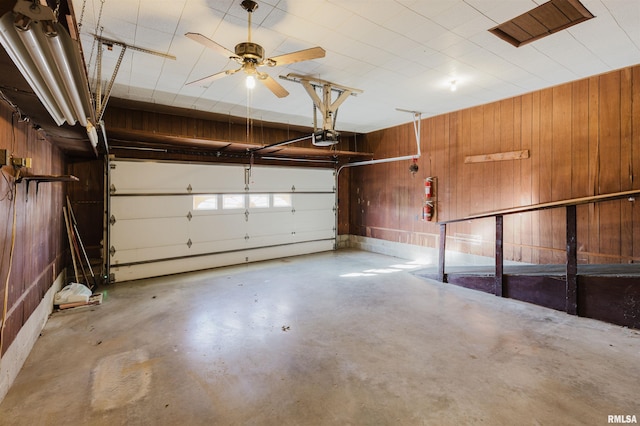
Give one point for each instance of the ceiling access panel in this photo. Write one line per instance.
(542, 21)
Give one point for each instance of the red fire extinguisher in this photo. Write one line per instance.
(427, 211)
(428, 208)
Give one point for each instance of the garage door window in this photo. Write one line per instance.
(259, 201)
(233, 201)
(282, 200)
(205, 202)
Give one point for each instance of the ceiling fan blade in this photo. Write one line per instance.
(300, 55)
(206, 80)
(273, 85)
(207, 42)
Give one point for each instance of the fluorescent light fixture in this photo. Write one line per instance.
(47, 57)
(32, 38)
(63, 51)
(19, 55)
(93, 134)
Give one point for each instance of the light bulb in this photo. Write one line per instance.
(250, 82)
(453, 86)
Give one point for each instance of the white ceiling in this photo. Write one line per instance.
(401, 53)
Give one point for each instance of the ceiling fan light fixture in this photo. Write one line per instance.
(250, 82)
(251, 56)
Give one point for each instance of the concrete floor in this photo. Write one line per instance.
(343, 337)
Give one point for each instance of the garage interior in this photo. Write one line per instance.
(424, 212)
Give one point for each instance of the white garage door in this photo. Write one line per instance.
(169, 218)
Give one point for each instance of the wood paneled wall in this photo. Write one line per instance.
(40, 237)
(198, 126)
(87, 201)
(583, 139)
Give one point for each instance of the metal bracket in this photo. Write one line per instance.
(112, 189)
(101, 100)
(247, 177)
(326, 106)
(112, 220)
(112, 251)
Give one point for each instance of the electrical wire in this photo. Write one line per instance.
(5, 303)
(9, 195)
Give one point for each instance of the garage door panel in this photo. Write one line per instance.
(312, 201)
(151, 232)
(134, 272)
(157, 178)
(140, 271)
(231, 244)
(134, 255)
(314, 219)
(313, 234)
(217, 227)
(270, 223)
(281, 179)
(140, 207)
(157, 230)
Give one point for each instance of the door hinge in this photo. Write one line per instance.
(189, 243)
(112, 220)
(112, 251)
(112, 189)
(189, 216)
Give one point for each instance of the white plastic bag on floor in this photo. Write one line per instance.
(72, 293)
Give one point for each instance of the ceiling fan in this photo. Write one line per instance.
(251, 56)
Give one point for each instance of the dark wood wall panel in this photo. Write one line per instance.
(582, 139)
(87, 201)
(172, 124)
(610, 158)
(634, 151)
(39, 244)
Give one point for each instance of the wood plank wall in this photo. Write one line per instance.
(583, 138)
(235, 129)
(39, 253)
(197, 127)
(87, 201)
